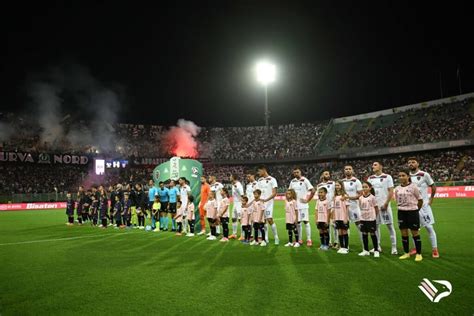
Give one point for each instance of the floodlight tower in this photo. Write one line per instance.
(266, 74)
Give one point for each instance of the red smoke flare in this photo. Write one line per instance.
(180, 140)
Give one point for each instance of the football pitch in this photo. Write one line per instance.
(49, 268)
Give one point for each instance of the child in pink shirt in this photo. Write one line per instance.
(179, 218)
(368, 215)
(258, 218)
(224, 214)
(409, 201)
(291, 217)
(322, 218)
(191, 216)
(211, 214)
(245, 219)
(340, 211)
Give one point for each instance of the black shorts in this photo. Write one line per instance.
(164, 207)
(341, 225)
(211, 220)
(290, 226)
(172, 207)
(224, 220)
(258, 225)
(322, 225)
(368, 226)
(409, 220)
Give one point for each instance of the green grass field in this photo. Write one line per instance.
(49, 268)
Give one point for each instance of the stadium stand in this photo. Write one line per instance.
(445, 125)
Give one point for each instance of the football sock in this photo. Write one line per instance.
(406, 244)
(341, 241)
(275, 231)
(225, 229)
(374, 241)
(377, 233)
(262, 230)
(417, 241)
(326, 238)
(346, 241)
(365, 239)
(393, 235)
(308, 231)
(432, 235)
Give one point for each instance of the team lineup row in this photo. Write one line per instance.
(338, 203)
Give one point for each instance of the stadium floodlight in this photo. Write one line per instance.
(266, 74)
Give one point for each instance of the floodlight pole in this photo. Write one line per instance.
(267, 113)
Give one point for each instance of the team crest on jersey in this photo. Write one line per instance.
(351, 183)
(194, 170)
(381, 180)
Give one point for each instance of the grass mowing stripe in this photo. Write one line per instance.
(194, 275)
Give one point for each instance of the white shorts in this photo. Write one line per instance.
(268, 210)
(236, 212)
(303, 215)
(426, 215)
(385, 217)
(354, 213)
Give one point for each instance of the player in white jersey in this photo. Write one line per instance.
(353, 188)
(268, 186)
(237, 193)
(216, 187)
(304, 193)
(383, 186)
(330, 186)
(423, 180)
(249, 188)
(184, 193)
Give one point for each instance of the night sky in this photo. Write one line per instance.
(194, 59)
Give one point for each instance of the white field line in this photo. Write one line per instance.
(52, 240)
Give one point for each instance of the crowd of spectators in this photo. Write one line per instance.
(447, 121)
(455, 165)
(21, 178)
(257, 142)
(18, 178)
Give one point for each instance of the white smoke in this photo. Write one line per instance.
(48, 105)
(72, 90)
(6, 131)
